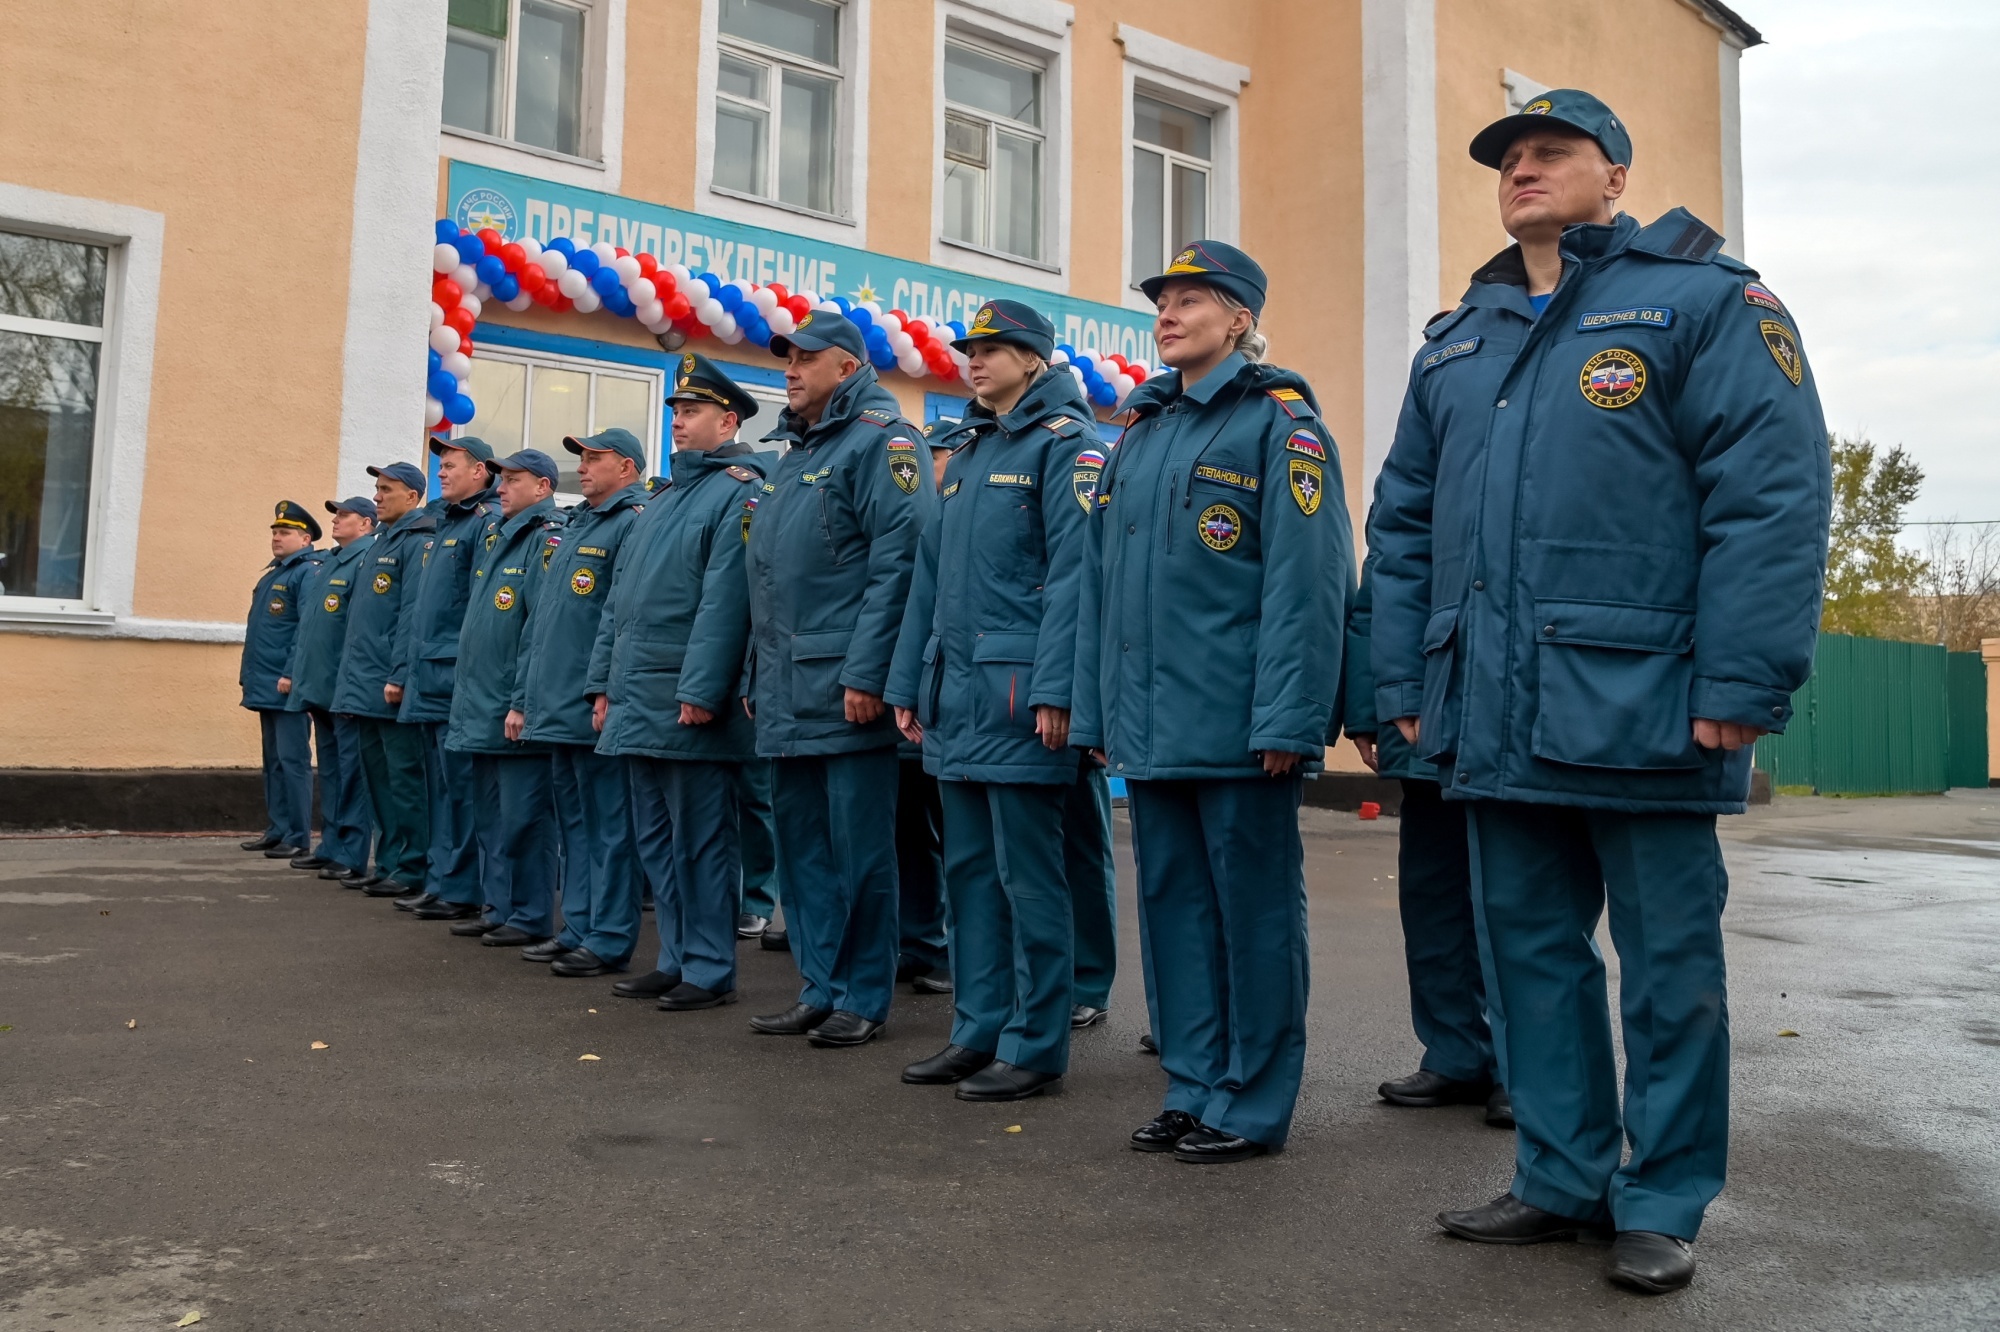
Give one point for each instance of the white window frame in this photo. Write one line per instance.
(134, 237)
(1170, 72)
(1517, 90)
(655, 438)
(600, 165)
(1172, 158)
(1033, 32)
(847, 223)
(991, 125)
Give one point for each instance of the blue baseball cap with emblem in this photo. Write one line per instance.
(296, 516)
(531, 460)
(408, 474)
(1219, 265)
(615, 440)
(1014, 322)
(819, 330)
(360, 504)
(480, 450)
(1564, 106)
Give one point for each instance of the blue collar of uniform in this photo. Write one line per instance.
(1225, 372)
(459, 508)
(856, 393)
(296, 556)
(1596, 240)
(688, 464)
(1052, 391)
(618, 499)
(407, 521)
(534, 513)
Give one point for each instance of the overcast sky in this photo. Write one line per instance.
(1871, 183)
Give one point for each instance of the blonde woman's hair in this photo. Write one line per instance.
(1250, 343)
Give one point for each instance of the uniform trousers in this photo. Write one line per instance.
(392, 761)
(1440, 942)
(1011, 927)
(836, 817)
(288, 776)
(684, 820)
(600, 864)
(759, 842)
(1542, 877)
(1222, 916)
(920, 911)
(517, 840)
(1093, 884)
(345, 827)
(452, 863)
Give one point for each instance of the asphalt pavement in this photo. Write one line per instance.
(173, 1142)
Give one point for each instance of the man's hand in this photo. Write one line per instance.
(906, 722)
(1280, 762)
(1100, 758)
(599, 705)
(392, 694)
(284, 684)
(1052, 724)
(863, 708)
(514, 724)
(749, 708)
(1408, 726)
(1364, 745)
(694, 716)
(1724, 735)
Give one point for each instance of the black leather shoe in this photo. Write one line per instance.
(775, 940)
(843, 1029)
(390, 888)
(310, 861)
(473, 929)
(442, 910)
(1159, 1134)
(354, 881)
(580, 962)
(749, 925)
(946, 1066)
(1207, 1146)
(413, 899)
(259, 844)
(1425, 1089)
(509, 936)
(687, 996)
(285, 851)
(907, 970)
(649, 986)
(335, 871)
(797, 1020)
(1500, 1108)
(1508, 1220)
(1652, 1262)
(1002, 1081)
(935, 983)
(1086, 1015)
(1148, 1045)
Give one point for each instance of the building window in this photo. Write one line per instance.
(993, 151)
(532, 402)
(515, 70)
(777, 99)
(52, 297)
(1172, 160)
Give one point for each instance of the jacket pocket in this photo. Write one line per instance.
(1614, 685)
(816, 662)
(650, 678)
(928, 684)
(1003, 665)
(1437, 724)
(435, 677)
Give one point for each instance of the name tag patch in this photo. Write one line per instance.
(1224, 477)
(1648, 316)
(951, 490)
(1451, 352)
(592, 550)
(1010, 479)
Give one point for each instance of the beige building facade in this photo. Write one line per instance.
(217, 235)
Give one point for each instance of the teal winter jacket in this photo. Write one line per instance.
(581, 561)
(440, 587)
(273, 627)
(323, 607)
(369, 659)
(507, 584)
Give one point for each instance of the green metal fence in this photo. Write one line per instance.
(1883, 718)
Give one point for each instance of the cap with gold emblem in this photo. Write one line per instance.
(296, 516)
(1571, 108)
(1218, 264)
(1011, 321)
(699, 379)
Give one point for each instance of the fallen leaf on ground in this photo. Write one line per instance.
(1013, 1128)
(7, 1027)
(1788, 1032)
(189, 1319)
(593, 1010)
(586, 1059)
(708, 1139)
(131, 1024)
(319, 1045)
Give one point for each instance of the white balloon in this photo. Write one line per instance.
(529, 246)
(812, 297)
(890, 325)
(710, 312)
(474, 303)
(444, 258)
(745, 287)
(444, 338)
(765, 300)
(733, 336)
(606, 252)
(1124, 384)
(433, 410)
(828, 306)
(910, 363)
(554, 262)
(642, 291)
(874, 310)
(728, 325)
(589, 301)
(456, 362)
(572, 284)
(521, 302)
(1059, 357)
(626, 266)
(1078, 373)
(466, 276)
(781, 321)
(900, 342)
(437, 315)
(681, 274)
(652, 312)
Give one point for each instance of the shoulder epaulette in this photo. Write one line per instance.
(1697, 241)
(1059, 423)
(879, 417)
(1292, 401)
(742, 473)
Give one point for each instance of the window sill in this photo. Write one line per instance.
(781, 205)
(1000, 255)
(511, 145)
(23, 610)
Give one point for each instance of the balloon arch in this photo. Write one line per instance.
(470, 269)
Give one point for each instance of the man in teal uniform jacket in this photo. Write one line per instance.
(831, 550)
(1601, 539)
(268, 636)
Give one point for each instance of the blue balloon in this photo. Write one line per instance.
(862, 319)
(712, 282)
(606, 281)
(881, 357)
(957, 331)
(490, 269)
(731, 298)
(1062, 347)
(507, 288)
(563, 244)
(458, 409)
(586, 262)
(1103, 395)
(470, 249)
(846, 306)
(435, 362)
(447, 231)
(621, 305)
(443, 385)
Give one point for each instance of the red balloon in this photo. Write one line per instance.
(545, 295)
(696, 330)
(679, 307)
(1116, 360)
(918, 330)
(799, 306)
(447, 293)
(490, 239)
(648, 265)
(465, 346)
(1137, 371)
(513, 256)
(664, 285)
(620, 251)
(778, 289)
(532, 277)
(460, 318)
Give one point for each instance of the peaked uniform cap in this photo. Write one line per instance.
(819, 330)
(296, 516)
(1565, 106)
(1014, 322)
(1222, 266)
(702, 380)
